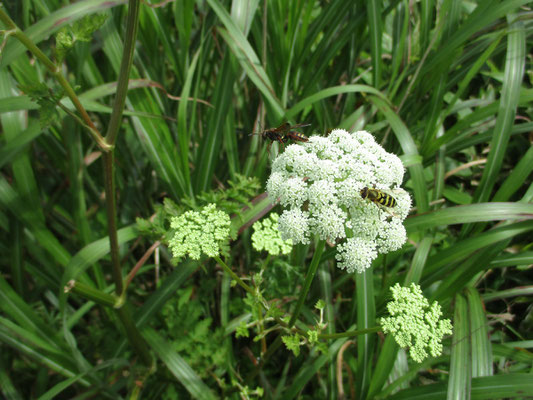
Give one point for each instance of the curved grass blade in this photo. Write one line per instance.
(17, 103)
(89, 255)
(178, 366)
(512, 82)
(366, 318)
(479, 335)
(409, 148)
(459, 383)
(444, 261)
(17, 145)
(23, 342)
(247, 58)
(504, 386)
(469, 213)
(61, 386)
(329, 92)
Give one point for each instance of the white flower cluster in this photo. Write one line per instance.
(414, 323)
(320, 182)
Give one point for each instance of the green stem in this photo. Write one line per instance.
(328, 336)
(109, 184)
(112, 131)
(124, 73)
(134, 336)
(308, 280)
(56, 72)
(235, 277)
(93, 294)
(114, 125)
(303, 294)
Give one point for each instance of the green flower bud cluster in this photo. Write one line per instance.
(198, 233)
(414, 323)
(267, 237)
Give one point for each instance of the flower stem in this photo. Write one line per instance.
(308, 280)
(112, 131)
(339, 335)
(111, 208)
(124, 73)
(235, 276)
(134, 336)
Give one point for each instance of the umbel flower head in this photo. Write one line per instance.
(414, 323)
(267, 237)
(199, 232)
(320, 182)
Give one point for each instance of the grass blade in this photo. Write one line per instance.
(512, 81)
(459, 383)
(178, 367)
(469, 213)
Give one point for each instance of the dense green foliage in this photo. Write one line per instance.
(447, 86)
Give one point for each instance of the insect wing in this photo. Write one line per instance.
(299, 126)
(283, 128)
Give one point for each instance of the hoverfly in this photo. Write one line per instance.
(283, 133)
(378, 197)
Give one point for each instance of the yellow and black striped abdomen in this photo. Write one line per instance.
(378, 197)
(297, 136)
(386, 200)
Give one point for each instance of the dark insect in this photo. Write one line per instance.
(282, 134)
(378, 197)
(296, 136)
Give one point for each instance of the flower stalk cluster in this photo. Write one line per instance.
(320, 182)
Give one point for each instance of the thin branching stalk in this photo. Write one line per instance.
(16, 32)
(311, 272)
(235, 277)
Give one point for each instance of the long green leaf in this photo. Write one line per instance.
(409, 148)
(178, 366)
(247, 58)
(366, 318)
(469, 213)
(484, 388)
(459, 383)
(514, 70)
(12, 201)
(479, 335)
